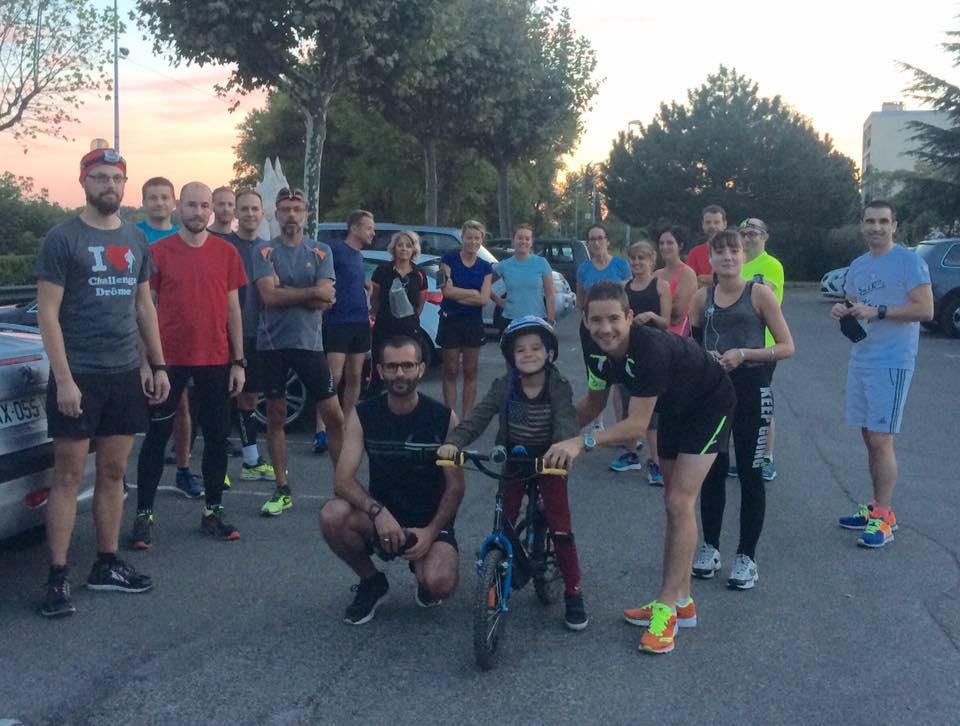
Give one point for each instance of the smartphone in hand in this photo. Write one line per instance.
(850, 327)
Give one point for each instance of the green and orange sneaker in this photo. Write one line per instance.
(660, 634)
(686, 614)
(879, 531)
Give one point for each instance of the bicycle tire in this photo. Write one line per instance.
(488, 621)
(547, 580)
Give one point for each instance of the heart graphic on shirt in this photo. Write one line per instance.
(120, 257)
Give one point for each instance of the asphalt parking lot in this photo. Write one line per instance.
(249, 632)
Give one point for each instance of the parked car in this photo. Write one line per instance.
(943, 258)
(22, 314)
(564, 255)
(433, 240)
(831, 284)
(564, 300)
(26, 452)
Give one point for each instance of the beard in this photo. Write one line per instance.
(291, 229)
(195, 225)
(401, 387)
(106, 207)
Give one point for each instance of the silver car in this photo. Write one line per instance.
(26, 453)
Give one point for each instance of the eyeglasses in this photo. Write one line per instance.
(117, 179)
(751, 233)
(406, 366)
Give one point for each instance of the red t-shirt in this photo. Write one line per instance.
(699, 259)
(192, 285)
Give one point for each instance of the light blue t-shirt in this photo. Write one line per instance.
(154, 234)
(588, 275)
(524, 281)
(886, 280)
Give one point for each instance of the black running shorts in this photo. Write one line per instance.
(700, 428)
(309, 365)
(113, 404)
(460, 332)
(347, 338)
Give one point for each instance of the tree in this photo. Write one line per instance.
(311, 51)
(754, 156)
(51, 51)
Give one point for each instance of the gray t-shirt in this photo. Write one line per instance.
(249, 297)
(295, 327)
(99, 271)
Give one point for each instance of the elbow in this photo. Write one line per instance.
(788, 350)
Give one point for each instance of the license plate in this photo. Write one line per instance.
(21, 410)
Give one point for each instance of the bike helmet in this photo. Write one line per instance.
(529, 324)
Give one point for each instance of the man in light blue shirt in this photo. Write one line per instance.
(888, 291)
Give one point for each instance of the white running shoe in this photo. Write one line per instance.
(707, 562)
(744, 575)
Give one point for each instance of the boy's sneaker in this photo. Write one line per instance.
(364, 605)
(261, 471)
(707, 562)
(142, 524)
(744, 575)
(626, 461)
(425, 598)
(878, 532)
(686, 614)
(654, 475)
(211, 522)
(575, 617)
(320, 445)
(768, 469)
(56, 600)
(117, 576)
(662, 630)
(277, 504)
(189, 484)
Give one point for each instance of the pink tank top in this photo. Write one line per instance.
(683, 327)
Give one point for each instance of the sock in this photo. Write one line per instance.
(106, 558)
(183, 469)
(684, 602)
(285, 489)
(58, 571)
(251, 455)
(879, 513)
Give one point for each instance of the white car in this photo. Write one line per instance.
(831, 284)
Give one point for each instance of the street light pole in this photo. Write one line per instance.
(116, 78)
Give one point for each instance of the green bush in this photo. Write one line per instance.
(16, 269)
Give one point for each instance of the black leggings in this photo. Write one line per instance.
(751, 425)
(211, 403)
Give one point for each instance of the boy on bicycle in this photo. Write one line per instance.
(534, 403)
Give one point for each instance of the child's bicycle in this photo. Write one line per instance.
(512, 555)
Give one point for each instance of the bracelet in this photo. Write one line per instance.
(743, 356)
(162, 367)
(374, 510)
(773, 355)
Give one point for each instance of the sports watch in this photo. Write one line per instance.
(240, 363)
(881, 312)
(589, 443)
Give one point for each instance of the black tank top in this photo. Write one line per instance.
(735, 326)
(402, 452)
(646, 300)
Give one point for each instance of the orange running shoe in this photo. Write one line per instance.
(686, 614)
(660, 635)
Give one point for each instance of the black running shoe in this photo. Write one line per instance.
(576, 615)
(117, 576)
(142, 523)
(56, 600)
(211, 522)
(364, 605)
(425, 598)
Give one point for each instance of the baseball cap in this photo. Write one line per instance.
(754, 223)
(285, 195)
(99, 157)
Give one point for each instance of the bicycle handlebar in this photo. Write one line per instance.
(499, 455)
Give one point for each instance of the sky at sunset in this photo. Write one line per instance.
(834, 62)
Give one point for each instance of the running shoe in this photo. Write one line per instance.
(626, 461)
(142, 524)
(261, 471)
(878, 532)
(686, 614)
(278, 503)
(707, 562)
(320, 445)
(575, 615)
(654, 475)
(662, 630)
(117, 576)
(211, 522)
(56, 600)
(744, 575)
(425, 598)
(768, 470)
(863, 517)
(364, 605)
(189, 484)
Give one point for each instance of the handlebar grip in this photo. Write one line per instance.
(554, 472)
(446, 462)
(458, 460)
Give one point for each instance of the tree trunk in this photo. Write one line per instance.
(430, 187)
(503, 197)
(316, 127)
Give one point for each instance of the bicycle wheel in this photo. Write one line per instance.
(488, 613)
(547, 580)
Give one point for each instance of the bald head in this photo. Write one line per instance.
(196, 205)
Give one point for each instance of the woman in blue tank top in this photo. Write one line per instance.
(729, 319)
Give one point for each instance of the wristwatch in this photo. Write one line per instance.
(589, 443)
(240, 363)
(881, 312)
